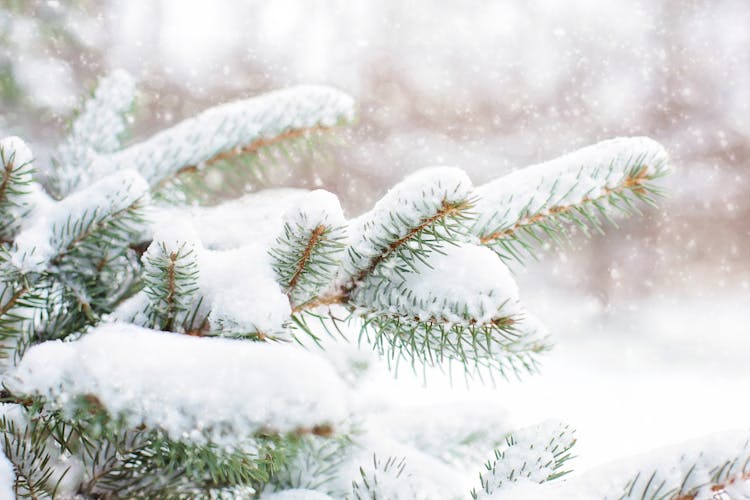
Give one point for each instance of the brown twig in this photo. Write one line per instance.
(447, 209)
(12, 301)
(253, 147)
(326, 300)
(314, 238)
(7, 171)
(633, 182)
(170, 291)
(716, 488)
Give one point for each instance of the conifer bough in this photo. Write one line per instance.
(159, 349)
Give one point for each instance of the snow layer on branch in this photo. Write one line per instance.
(231, 126)
(7, 477)
(387, 468)
(296, 494)
(534, 454)
(306, 253)
(101, 123)
(236, 278)
(16, 147)
(315, 208)
(691, 469)
(97, 129)
(588, 173)
(254, 218)
(465, 284)
(409, 203)
(241, 288)
(463, 434)
(193, 388)
(64, 222)
(237, 288)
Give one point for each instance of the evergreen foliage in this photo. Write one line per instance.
(106, 239)
(170, 282)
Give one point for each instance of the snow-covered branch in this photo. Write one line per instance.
(418, 216)
(76, 228)
(232, 129)
(98, 129)
(541, 200)
(15, 185)
(192, 388)
(717, 466)
(306, 254)
(535, 455)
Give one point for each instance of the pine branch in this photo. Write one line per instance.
(387, 479)
(21, 306)
(98, 128)
(226, 130)
(237, 172)
(313, 464)
(296, 405)
(427, 235)
(77, 261)
(171, 284)
(537, 454)
(503, 346)
(304, 260)
(147, 463)
(13, 319)
(696, 474)
(26, 443)
(306, 254)
(104, 216)
(459, 305)
(580, 189)
(422, 214)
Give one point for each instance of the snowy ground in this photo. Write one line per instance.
(632, 376)
(643, 374)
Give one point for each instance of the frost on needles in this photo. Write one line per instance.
(155, 347)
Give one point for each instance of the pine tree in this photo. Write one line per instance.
(159, 345)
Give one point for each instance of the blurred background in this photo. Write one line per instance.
(651, 320)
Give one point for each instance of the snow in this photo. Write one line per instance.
(235, 276)
(296, 494)
(97, 129)
(464, 434)
(318, 207)
(16, 147)
(254, 218)
(464, 284)
(231, 241)
(241, 288)
(588, 173)
(66, 470)
(612, 370)
(192, 388)
(62, 222)
(680, 469)
(530, 456)
(231, 126)
(178, 232)
(101, 123)
(7, 477)
(410, 474)
(418, 196)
